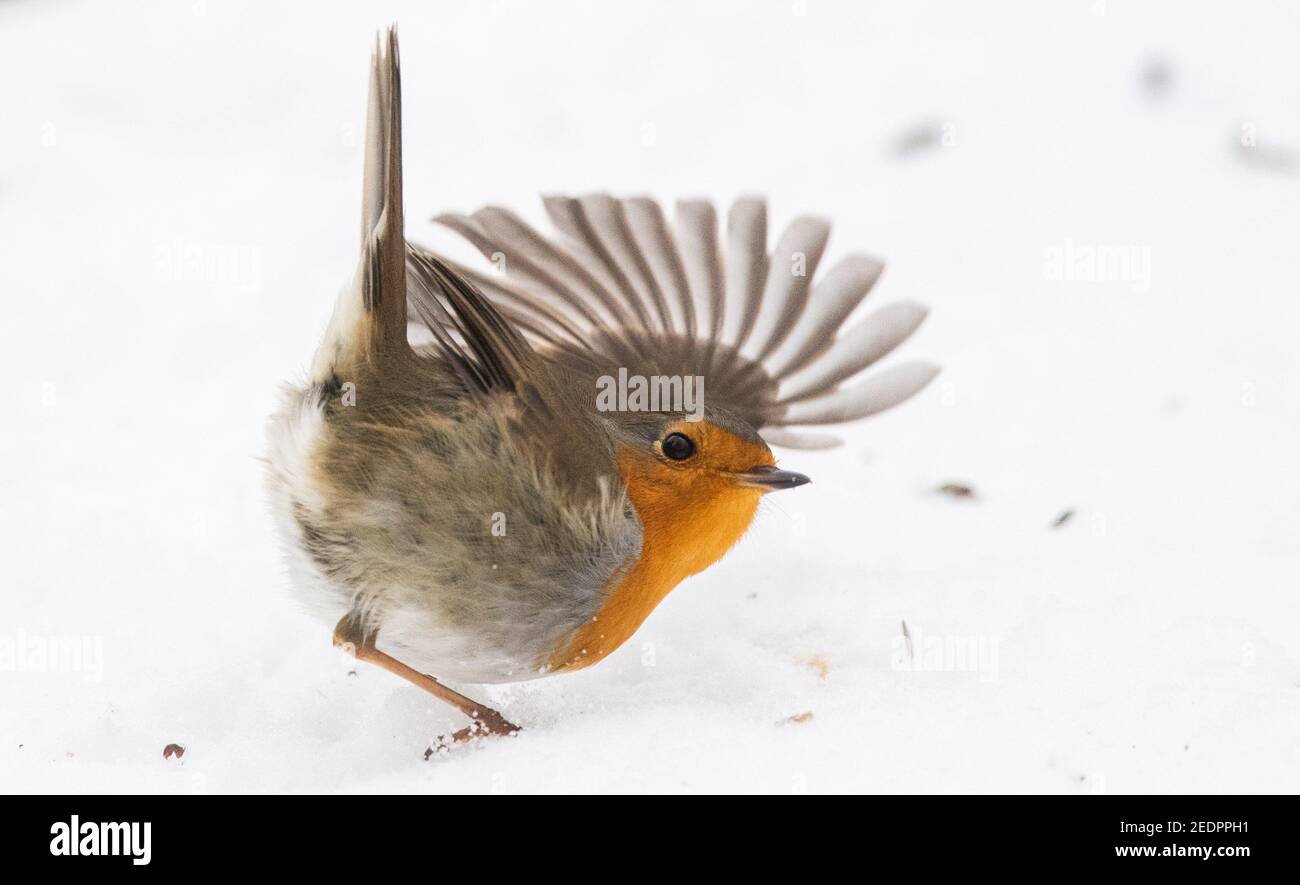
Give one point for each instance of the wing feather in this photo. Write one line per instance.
(746, 267)
(788, 280)
(834, 297)
(864, 344)
(886, 388)
(647, 222)
(621, 288)
(572, 219)
(697, 240)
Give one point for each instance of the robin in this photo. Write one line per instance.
(498, 475)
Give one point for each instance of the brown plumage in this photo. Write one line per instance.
(472, 504)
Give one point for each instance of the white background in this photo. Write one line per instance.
(179, 189)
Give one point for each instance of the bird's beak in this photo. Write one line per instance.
(770, 479)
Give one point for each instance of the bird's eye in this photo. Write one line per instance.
(678, 446)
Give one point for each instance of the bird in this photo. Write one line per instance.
(461, 491)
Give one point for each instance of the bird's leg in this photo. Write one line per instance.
(352, 638)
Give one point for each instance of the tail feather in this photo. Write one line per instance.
(370, 317)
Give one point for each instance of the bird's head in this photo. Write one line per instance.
(696, 483)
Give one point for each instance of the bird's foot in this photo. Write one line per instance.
(489, 723)
(486, 721)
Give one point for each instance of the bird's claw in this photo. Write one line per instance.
(488, 726)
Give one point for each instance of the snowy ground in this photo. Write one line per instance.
(178, 199)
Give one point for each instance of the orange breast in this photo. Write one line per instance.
(688, 523)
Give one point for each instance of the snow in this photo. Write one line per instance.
(180, 186)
